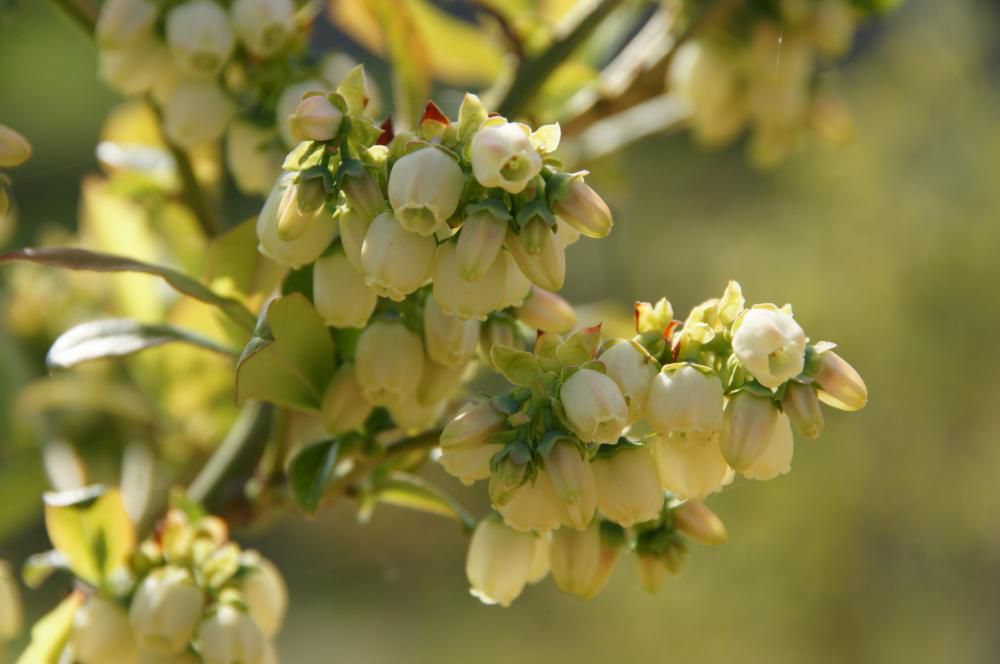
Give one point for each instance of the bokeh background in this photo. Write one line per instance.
(883, 545)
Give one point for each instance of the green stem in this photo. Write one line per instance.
(84, 12)
(533, 72)
(193, 194)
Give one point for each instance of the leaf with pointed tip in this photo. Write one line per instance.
(92, 261)
(518, 366)
(581, 347)
(50, 634)
(410, 491)
(310, 472)
(354, 90)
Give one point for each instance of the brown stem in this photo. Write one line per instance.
(84, 12)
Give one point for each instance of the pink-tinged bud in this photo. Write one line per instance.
(499, 562)
(315, 119)
(582, 561)
(545, 267)
(298, 208)
(288, 101)
(802, 407)
(653, 572)
(584, 210)
(479, 244)
(535, 505)
(389, 363)
(699, 523)
(101, 633)
(353, 228)
(304, 249)
(165, 610)
(196, 113)
(340, 294)
(516, 286)
(136, 68)
(344, 405)
(770, 345)
(547, 311)
(594, 406)
(471, 300)
(230, 636)
(364, 195)
(633, 370)
(449, 340)
(14, 148)
(748, 425)
(122, 22)
(424, 189)
(414, 417)
(775, 457)
(199, 37)
(503, 156)
(264, 593)
(263, 26)
(840, 385)
(683, 399)
(396, 262)
(253, 157)
(574, 483)
(628, 489)
(690, 467)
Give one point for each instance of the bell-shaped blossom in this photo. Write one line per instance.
(449, 340)
(628, 488)
(499, 562)
(802, 407)
(503, 156)
(353, 228)
(165, 610)
(123, 22)
(289, 100)
(471, 300)
(595, 406)
(582, 560)
(200, 37)
(135, 68)
(840, 385)
(699, 523)
(425, 187)
(231, 636)
(684, 399)
(516, 285)
(574, 483)
(389, 363)
(340, 294)
(633, 370)
(263, 26)
(748, 426)
(345, 407)
(775, 456)
(395, 261)
(196, 113)
(479, 244)
(364, 195)
(264, 593)
(101, 633)
(770, 345)
(534, 506)
(302, 250)
(546, 311)
(692, 466)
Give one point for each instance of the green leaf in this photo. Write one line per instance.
(81, 259)
(580, 347)
(546, 138)
(50, 634)
(311, 470)
(518, 366)
(410, 491)
(117, 337)
(290, 359)
(91, 528)
(354, 90)
(471, 114)
(234, 262)
(41, 566)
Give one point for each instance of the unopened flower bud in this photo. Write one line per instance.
(396, 262)
(302, 250)
(479, 244)
(389, 361)
(353, 227)
(770, 345)
(840, 385)
(196, 113)
(776, 452)
(583, 209)
(136, 68)
(316, 119)
(298, 207)
(699, 523)
(253, 157)
(546, 266)
(628, 488)
(566, 234)
(683, 399)
(101, 633)
(200, 37)
(653, 317)
(503, 156)
(465, 448)
(424, 189)
(340, 294)
(263, 25)
(802, 407)
(534, 505)
(230, 636)
(582, 561)
(14, 148)
(574, 483)
(11, 612)
(449, 340)
(165, 611)
(364, 195)
(748, 425)
(264, 593)
(692, 466)
(122, 22)
(499, 562)
(633, 370)
(594, 406)
(547, 311)
(344, 405)
(471, 300)
(288, 101)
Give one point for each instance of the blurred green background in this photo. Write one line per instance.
(883, 545)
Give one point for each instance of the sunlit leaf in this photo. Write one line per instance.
(413, 492)
(289, 360)
(91, 528)
(311, 470)
(518, 366)
(50, 634)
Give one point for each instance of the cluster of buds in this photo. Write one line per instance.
(768, 80)
(619, 431)
(197, 598)
(14, 151)
(215, 68)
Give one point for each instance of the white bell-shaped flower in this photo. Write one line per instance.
(123, 22)
(345, 407)
(263, 26)
(165, 610)
(499, 562)
(516, 286)
(545, 262)
(289, 100)
(582, 560)
(594, 406)
(264, 593)
(449, 340)
(770, 345)
(196, 113)
(340, 294)
(479, 243)
(503, 156)
(471, 300)
(200, 37)
(692, 466)
(230, 636)
(395, 261)
(389, 363)
(135, 68)
(425, 187)
(748, 427)
(633, 369)
(353, 227)
(775, 456)
(574, 483)
(534, 506)
(628, 488)
(101, 633)
(304, 249)
(684, 399)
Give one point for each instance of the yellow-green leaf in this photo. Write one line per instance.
(50, 634)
